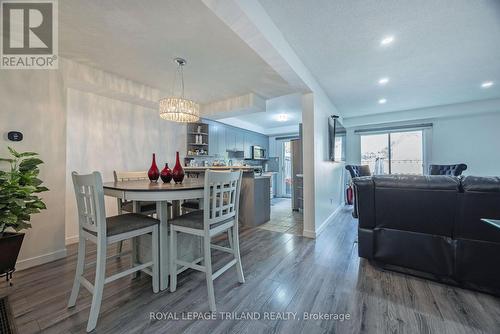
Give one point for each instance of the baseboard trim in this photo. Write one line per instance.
(315, 234)
(309, 234)
(71, 240)
(41, 259)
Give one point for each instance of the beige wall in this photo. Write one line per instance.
(32, 101)
(107, 134)
(112, 124)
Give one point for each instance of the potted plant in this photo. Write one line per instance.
(19, 186)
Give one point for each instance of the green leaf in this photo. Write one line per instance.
(39, 205)
(41, 189)
(36, 182)
(27, 154)
(20, 202)
(18, 188)
(29, 164)
(13, 152)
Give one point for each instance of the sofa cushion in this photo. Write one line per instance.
(424, 204)
(480, 199)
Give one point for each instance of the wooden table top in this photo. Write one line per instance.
(146, 185)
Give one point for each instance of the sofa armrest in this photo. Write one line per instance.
(365, 201)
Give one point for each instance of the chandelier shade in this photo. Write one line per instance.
(178, 108)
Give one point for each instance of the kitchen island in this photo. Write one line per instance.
(255, 198)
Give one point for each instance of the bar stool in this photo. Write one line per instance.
(95, 227)
(220, 215)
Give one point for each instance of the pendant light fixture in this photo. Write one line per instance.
(178, 108)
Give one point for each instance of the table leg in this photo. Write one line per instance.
(176, 208)
(161, 211)
(135, 255)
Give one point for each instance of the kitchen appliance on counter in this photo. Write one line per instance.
(258, 153)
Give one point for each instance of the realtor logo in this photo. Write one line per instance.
(29, 35)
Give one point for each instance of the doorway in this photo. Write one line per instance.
(286, 169)
(283, 218)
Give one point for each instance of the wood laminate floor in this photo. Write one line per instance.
(284, 273)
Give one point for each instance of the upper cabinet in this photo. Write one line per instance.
(247, 147)
(230, 139)
(239, 140)
(217, 138)
(213, 134)
(223, 138)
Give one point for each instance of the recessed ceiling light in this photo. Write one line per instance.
(487, 84)
(387, 40)
(382, 101)
(383, 81)
(282, 117)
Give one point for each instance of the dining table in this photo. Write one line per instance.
(161, 193)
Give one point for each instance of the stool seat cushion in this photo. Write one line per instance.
(194, 220)
(126, 223)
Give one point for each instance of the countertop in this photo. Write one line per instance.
(250, 168)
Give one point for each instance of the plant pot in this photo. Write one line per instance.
(10, 245)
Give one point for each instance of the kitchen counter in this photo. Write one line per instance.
(255, 196)
(203, 168)
(255, 200)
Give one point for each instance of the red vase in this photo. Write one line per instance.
(166, 174)
(153, 172)
(178, 171)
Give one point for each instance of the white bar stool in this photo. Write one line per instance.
(220, 214)
(95, 227)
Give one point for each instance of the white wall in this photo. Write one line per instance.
(107, 134)
(472, 139)
(32, 101)
(326, 197)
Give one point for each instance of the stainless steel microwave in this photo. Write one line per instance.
(258, 152)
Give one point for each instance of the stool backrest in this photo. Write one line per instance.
(130, 176)
(222, 196)
(90, 202)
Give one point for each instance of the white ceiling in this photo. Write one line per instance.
(267, 121)
(443, 50)
(138, 40)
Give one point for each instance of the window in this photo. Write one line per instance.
(393, 152)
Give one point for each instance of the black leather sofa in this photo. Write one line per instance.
(430, 226)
